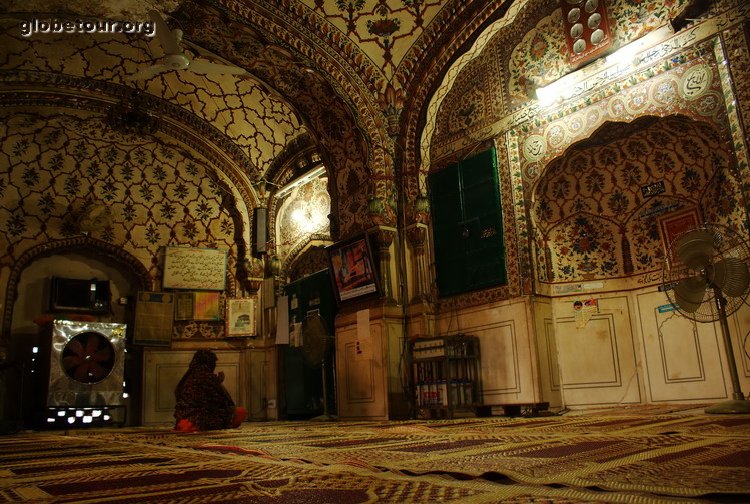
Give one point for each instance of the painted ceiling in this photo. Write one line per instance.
(250, 113)
(347, 76)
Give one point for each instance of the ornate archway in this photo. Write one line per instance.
(139, 273)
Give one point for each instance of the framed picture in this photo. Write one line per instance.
(673, 224)
(197, 306)
(194, 268)
(353, 269)
(153, 318)
(240, 317)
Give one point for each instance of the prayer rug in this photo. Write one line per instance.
(618, 458)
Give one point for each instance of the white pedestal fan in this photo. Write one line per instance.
(706, 277)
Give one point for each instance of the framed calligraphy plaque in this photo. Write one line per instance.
(195, 268)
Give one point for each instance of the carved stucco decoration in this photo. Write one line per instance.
(526, 58)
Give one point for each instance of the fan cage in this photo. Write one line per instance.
(88, 357)
(725, 243)
(316, 342)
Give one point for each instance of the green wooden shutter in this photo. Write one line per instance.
(467, 225)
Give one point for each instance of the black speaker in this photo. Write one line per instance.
(260, 231)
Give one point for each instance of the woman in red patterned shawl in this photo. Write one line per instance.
(202, 401)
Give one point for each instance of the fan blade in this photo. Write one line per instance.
(170, 40)
(203, 66)
(149, 72)
(81, 373)
(103, 355)
(92, 345)
(695, 248)
(731, 276)
(75, 346)
(97, 372)
(72, 361)
(689, 293)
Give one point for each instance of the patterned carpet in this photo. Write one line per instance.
(560, 459)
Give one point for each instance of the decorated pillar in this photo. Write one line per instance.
(383, 217)
(417, 235)
(384, 239)
(252, 276)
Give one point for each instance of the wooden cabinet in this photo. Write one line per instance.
(446, 375)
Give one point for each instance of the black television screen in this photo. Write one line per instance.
(76, 295)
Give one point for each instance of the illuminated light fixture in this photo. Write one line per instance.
(71, 420)
(106, 418)
(87, 419)
(548, 95)
(61, 413)
(35, 349)
(96, 413)
(304, 179)
(626, 56)
(50, 419)
(308, 219)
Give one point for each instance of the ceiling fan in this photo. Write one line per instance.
(174, 57)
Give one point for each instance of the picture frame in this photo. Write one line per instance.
(194, 268)
(352, 268)
(183, 305)
(198, 305)
(153, 318)
(240, 317)
(673, 224)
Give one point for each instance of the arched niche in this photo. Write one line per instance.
(76, 255)
(595, 209)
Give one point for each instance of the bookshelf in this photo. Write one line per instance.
(446, 375)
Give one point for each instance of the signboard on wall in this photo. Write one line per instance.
(195, 268)
(153, 318)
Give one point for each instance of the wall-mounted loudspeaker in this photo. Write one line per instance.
(260, 231)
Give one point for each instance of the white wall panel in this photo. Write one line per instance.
(597, 361)
(683, 359)
(162, 371)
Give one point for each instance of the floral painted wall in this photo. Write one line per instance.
(592, 219)
(59, 164)
(518, 60)
(587, 216)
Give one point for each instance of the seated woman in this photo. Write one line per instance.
(202, 401)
